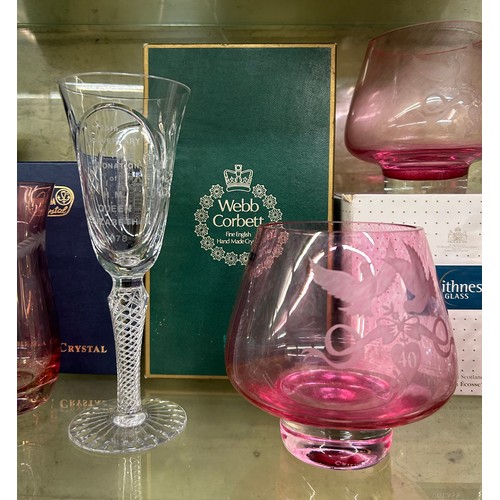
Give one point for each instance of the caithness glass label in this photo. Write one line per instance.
(229, 214)
(462, 286)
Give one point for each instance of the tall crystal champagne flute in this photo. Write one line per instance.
(340, 330)
(125, 129)
(416, 107)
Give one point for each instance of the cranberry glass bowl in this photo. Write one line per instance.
(416, 109)
(340, 330)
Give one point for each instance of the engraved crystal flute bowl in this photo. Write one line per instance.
(416, 110)
(340, 330)
(125, 129)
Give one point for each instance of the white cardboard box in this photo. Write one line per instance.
(453, 225)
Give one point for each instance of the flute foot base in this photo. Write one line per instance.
(100, 429)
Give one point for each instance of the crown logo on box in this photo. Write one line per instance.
(457, 236)
(238, 179)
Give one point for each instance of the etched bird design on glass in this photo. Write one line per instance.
(340, 331)
(357, 292)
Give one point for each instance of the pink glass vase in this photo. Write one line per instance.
(340, 330)
(416, 107)
(38, 342)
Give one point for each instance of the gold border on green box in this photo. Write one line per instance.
(257, 145)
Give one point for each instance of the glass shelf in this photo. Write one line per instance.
(240, 12)
(232, 450)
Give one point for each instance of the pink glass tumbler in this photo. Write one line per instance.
(416, 110)
(38, 342)
(340, 330)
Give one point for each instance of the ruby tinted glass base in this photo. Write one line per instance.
(422, 163)
(340, 419)
(35, 380)
(335, 449)
(347, 399)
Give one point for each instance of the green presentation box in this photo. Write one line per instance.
(257, 145)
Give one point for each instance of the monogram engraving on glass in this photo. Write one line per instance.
(390, 327)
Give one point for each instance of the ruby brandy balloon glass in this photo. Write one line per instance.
(416, 108)
(340, 330)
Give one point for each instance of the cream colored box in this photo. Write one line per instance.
(453, 225)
